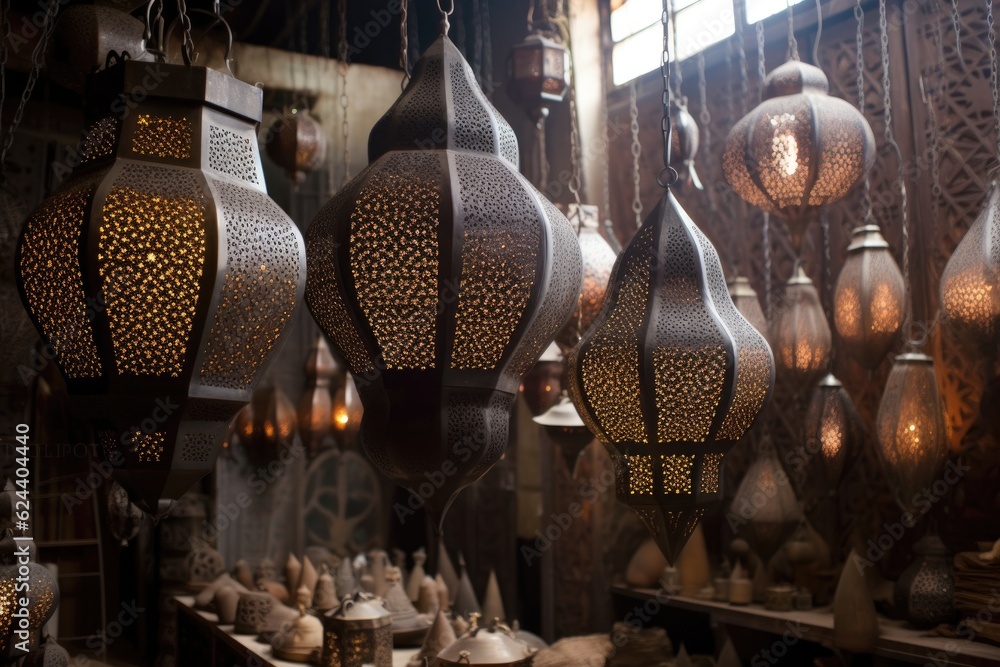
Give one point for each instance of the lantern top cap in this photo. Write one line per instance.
(931, 545)
(795, 77)
(867, 236)
(361, 610)
(830, 381)
(562, 414)
(800, 277)
(483, 645)
(914, 358)
(740, 287)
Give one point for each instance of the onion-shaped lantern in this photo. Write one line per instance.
(564, 427)
(441, 275)
(347, 412)
(684, 147)
(799, 149)
(297, 143)
(801, 334)
(745, 299)
(671, 376)
(765, 511)
(910, 428)
(970, 284)
(832, 429)
(543, 384)
(267, 426)
(161, 273)
(598, 260)
(315, 410)
(537, 73)
(869, 299)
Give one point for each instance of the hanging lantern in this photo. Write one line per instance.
(869, 300)
(564, 427)
(598, 260)
(910, 428)
(832, 429)
(537, 73)
(161, 273)
(671, 376)
(440, 274)
(970, 284)
(357, 633)
(799, 149)
(315, 414)
(765, 511)
(267, 426)
(745, 299)
(297, 143)
(684, 147)
(543, 384)
(801, 335)
(347, 412)
(82, 38)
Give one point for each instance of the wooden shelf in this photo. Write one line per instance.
(895, 641)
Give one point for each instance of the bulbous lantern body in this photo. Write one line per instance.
(832, 429)
(598, 261)
(297, 143)
(801, 335)
(869, 299)
(745, 299)
(671, 376)
(970, 284)
(910, 428)
(799, 149)
(441, 275)
(161, 273)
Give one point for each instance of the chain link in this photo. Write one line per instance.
(866, 190)
(741, 57)
(187, 43)
(667, 176)
(678, 73)
(768, 301)
(956, 24)
(404, 61)
(793, 44)
(633, 112)
(576, 157)
(994, 85)
(761, 65)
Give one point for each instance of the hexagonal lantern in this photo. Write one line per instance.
(537, 72)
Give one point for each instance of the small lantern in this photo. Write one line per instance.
(910, 428)
(537, 73)
(543, 384)
(970, 284)
(357, 633)
(495, 646)
(267, 426)
(801, 335)
(297, 143)
(799, 149)
(869, 300)
(347, 412)
(315, 413)
(684, 147)
(83, 36)
(764, 509)
(598, 260)
(746, 301)
(564, 427)
(832, 429)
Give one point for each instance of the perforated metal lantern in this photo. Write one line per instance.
(801, 335)
(315, 409)
(832, 429)
(267, 426)
(297, 142)
(799, 149)
(869, 299)
(765, 511)
(671, 376)
(537, 73)
(598, 260)
(161, 273)
(441, 275)
(970, 284)
(910, 428)
(684, 147)
(357, 633)
(745, 299)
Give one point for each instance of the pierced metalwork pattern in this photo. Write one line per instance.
(842, 139)
(488, 425)
(640, 468)
(868, 304)
(801, 334)
(357, 648)
(711, 473)
(688, 387)
(197, 448)
(211, 411)
(502, 234)
(677, 472)
(152, 252)
(782, 146)
(420, 110)
(599, 260)
(233, 154)
(148, 446)
(258, 291)
(394, 256)
(50, 272)
(163, 137)
(99, 140)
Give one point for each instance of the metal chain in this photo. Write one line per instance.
(741, 56)
(761, 66)
(768, 302)
(956, 23)
(678, 72)
(633, 112)
(866, 191)
(404, 45)
(606, 171)
(487, 50)
(668, 176)
(994, 85)
(704, 116)
(37, 61)
(187, 43)
(793, 44)
(342, 66)
(576, 157)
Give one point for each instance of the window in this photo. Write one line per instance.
(758, 10)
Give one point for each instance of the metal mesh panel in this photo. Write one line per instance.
(469, 417)
(781, 150)
(148, 447)
(640, 473)
(258, 291)
(832, 428)
(502, 234)
(162, 137)
(197, 448)
(598, 261)
(233, 154)
(152, 251)
(677, 472)
(842, 158)
(99, 140)
(711, 473)
(49, 267)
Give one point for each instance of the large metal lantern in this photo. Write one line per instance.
(161, 274)
(745, 299)
(441, 275)
(910, 428)
(832, 429)
(801, 335)
(799, 149)
(598, 260)
(970, 284)
(537, 73)
(297, 143)
(671, 376)
(869, 301)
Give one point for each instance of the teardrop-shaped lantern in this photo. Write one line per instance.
(543, 384)
(267, 426)
(441, 275)
(970, 284)
(598, 260)
(801, 335)
(161, 273)
(745, 299)
(799, 149)
(684, 147)
(347, 413)
(910, 428)
(765, 511)
(869, 299)
(832, 429)
(671, 376)
(315, 410)
(297, 143)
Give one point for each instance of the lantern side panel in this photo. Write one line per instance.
(233, 154)
(844, 137)
(781, 150)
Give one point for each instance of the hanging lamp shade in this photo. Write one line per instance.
(832, 429)
(671, 376)
(543, 384)
(765, 511)
(267, 426)
(297, 143)
(598, 260)
(970, 284)
(161, 273)
(910, 428)
(564, 427)
(537, 73)
(745, 299)
(441, 275)
(869, 299)
(684, 147)
(799, 149)
(315, 409)
(801, 335)
(347, 412)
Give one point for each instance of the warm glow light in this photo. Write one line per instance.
(786, 152)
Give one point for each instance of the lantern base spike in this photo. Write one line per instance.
(669, 527)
